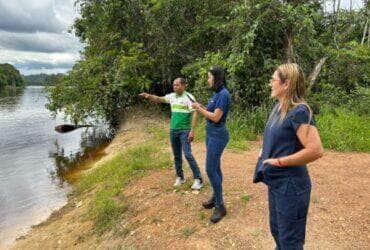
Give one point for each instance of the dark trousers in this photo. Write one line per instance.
(180, 142)
(289, 200)
(216, 141)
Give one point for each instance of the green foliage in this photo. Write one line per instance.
(249, 123)
(245, 198)
(129, 44)
(10, 78)
(347, 68)
(43, 79)
(188, 231)
(344, 130)
(108, 203)
(329, 96)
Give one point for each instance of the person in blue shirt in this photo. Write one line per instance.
(290, 141)
(217, 137)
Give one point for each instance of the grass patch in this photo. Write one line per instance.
(200, 130)
(245, 198)
(202, 215)
(344, 130)
(159, 134)
(188, 231)
(108, 204)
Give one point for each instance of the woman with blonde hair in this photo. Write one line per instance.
(291, 140)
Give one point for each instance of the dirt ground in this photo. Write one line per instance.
(161, 217)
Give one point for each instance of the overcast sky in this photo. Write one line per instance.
(34, 37)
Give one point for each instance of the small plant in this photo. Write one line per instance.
(188, 231)
(245, 198)
(202, 215)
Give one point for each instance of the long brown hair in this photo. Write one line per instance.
(296, 93)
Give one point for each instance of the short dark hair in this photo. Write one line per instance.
(182, 80)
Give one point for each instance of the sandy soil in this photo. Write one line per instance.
(160, 217)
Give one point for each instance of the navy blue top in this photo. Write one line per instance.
(280, 139)
(222, 100)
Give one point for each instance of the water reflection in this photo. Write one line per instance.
(10, 102)
(93, 141)
(35, 161)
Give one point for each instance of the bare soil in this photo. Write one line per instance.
(161, 217)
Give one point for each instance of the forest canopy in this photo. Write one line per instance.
(43, 79)
(10, 78)
(129, 44)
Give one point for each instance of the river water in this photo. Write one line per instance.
(34, 159)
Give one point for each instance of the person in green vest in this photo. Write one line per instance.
(183, 121)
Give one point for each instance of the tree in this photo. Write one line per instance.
(131, 43)
(10, 78)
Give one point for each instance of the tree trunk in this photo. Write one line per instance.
(316, 71)
(333, 6)
(288, 46)
(364, 34)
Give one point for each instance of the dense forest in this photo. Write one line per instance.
(10, 78)
(131, 43)
(43, 79)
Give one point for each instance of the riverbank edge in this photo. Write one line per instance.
(136, 120)
(136, 123)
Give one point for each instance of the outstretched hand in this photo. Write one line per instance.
(144, 95)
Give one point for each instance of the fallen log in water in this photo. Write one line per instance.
(64, 128)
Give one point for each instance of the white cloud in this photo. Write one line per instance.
(27, 61)
(29, 16)
(40, 42)
(34, 37)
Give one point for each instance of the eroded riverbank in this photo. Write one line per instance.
(155, 215)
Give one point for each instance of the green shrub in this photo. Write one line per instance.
(344, 130)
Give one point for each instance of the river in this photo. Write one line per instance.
(34, 159)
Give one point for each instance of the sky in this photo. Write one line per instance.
(356, 4)
(34, 34)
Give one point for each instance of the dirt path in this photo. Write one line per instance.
(160, 217)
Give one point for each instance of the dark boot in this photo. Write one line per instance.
(209, 204)
(218, 213)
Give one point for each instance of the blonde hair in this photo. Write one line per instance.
(296, 93)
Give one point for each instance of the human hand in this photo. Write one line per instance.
(195, 105)
(144, 95)
(273, 161)
(191, 136)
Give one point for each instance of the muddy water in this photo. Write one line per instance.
(34, 161)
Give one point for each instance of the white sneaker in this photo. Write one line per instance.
(179, 181)
(197, 185)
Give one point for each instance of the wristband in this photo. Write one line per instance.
(280, 165)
